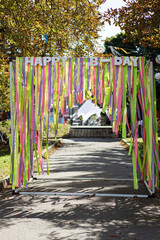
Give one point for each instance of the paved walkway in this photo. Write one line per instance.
(82, 165)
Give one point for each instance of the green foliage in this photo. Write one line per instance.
(4, 85)
(5, 150)
(118, 42)
(4, 161)
(62, 130)
(126, 48)
(131, 48)
(5, 127)
(140, 19)
(70, 26)
(46, 27)
(140, 143)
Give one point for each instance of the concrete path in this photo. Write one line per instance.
(82, 165)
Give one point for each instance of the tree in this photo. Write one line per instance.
(125, 48)
(140, 19)
(50, 26)
(118, 43)
(4, 85)
(45, 27)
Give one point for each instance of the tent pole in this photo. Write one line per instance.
(153, 167)
(11, 109)
(11, 103)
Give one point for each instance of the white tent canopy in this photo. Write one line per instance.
(87, 110)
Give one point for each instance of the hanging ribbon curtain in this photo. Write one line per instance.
(117, 84)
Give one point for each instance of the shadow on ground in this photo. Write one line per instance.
(84, 218)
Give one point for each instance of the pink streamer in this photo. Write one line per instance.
(120, 95)
(43, 92)
(58, 81)
(38, 146)
(47, 100)
(135, 137)
(94, 80)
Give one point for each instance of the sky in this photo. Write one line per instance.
(108, 30)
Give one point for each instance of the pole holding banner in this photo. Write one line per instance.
(11, 103)
(153, 167)
(11, 113)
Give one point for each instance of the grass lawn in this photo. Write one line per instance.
(139, 140)
(140, 143)
(5, 150)
(4, 161)
(62, 130)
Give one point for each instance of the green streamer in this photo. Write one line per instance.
(35, 149)
(107, 89)
(125, 77)
(134, 170)
(139, 160)
(131, 145)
